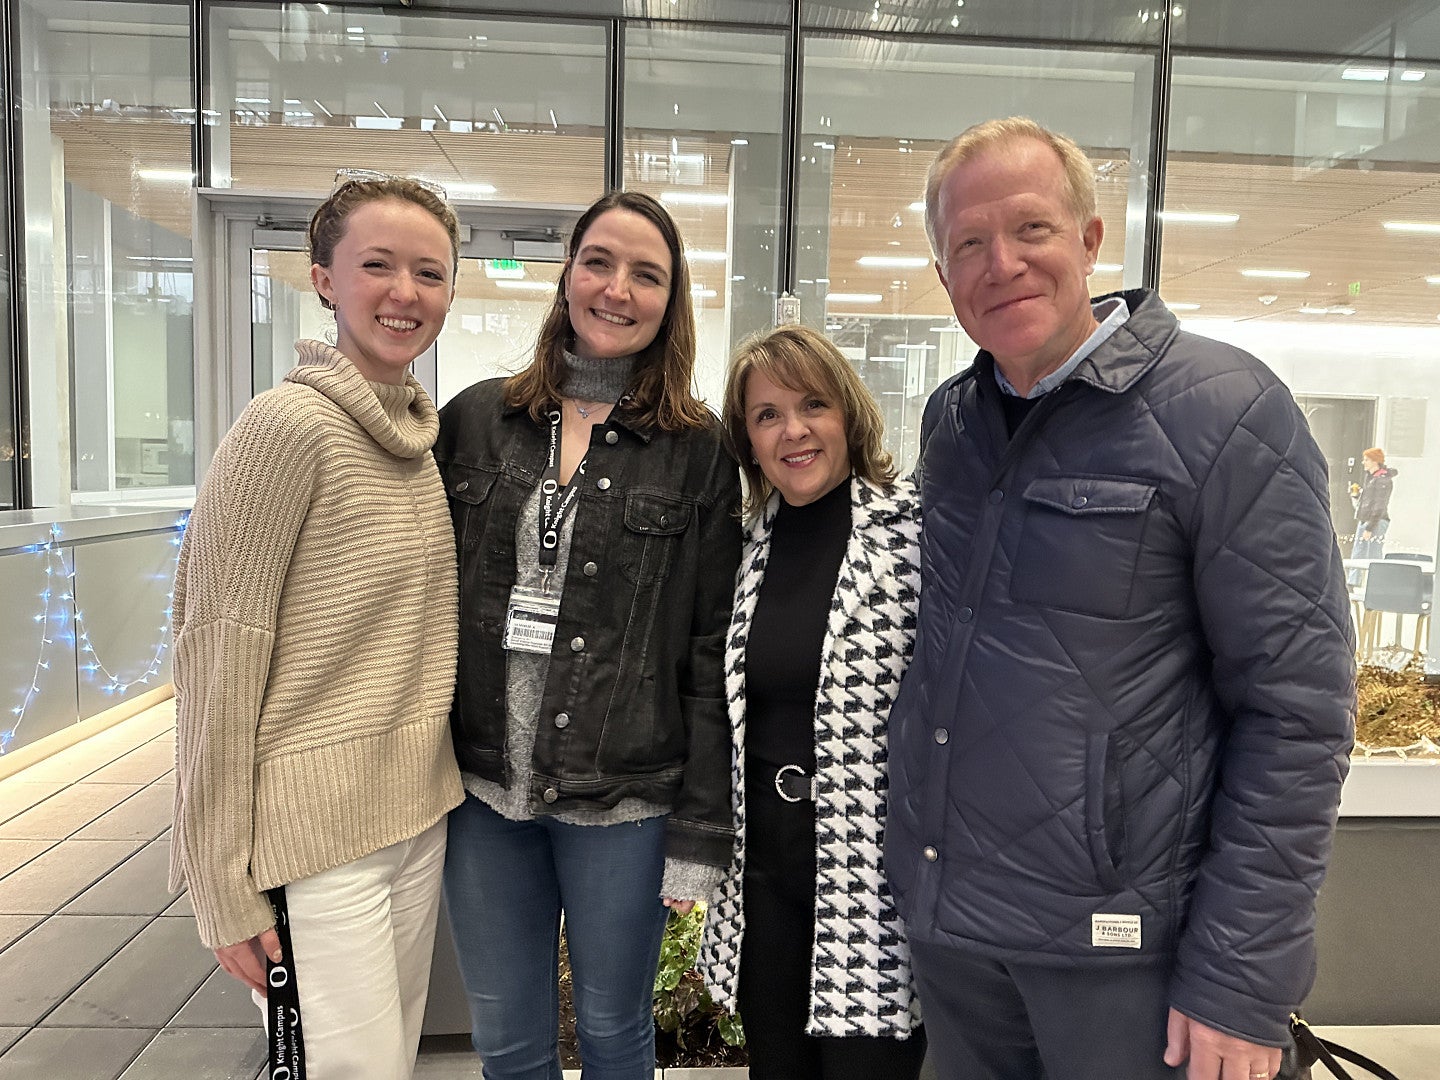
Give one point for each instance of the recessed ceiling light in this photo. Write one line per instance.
(1433, 279)
(169, 176)
(355, 30)
(1109, 268)
(527, 286)
(1411, 76)
(694, 198)
(1189, 217)
(944, 329)
(1365, 74)
(465, 191)
(853, 298)
(918, 206)
(700, 292)
(696, 255)
(1412, 226)
(1177, 306)
(1335, 309)
(897, 262)
(1288, 275)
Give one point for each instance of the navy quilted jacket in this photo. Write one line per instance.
(1134, 685)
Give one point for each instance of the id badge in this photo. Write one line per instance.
(530, 620)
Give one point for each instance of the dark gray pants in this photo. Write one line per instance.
(989, 1020)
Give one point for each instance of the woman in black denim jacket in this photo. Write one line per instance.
(595, 511)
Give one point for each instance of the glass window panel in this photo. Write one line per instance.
(1113, 21)
(702, 124)
(862, 186)
(754, 12)
(106, 129)
(496, 110)
(1324, 260)
(1381, 28)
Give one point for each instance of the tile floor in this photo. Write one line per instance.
(102, 976)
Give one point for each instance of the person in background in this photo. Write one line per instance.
(803, 936)
(1116, 759)
(595, 509)
(315, 622)
(1372, 511)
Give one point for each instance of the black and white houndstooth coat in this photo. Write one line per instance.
(860, 983)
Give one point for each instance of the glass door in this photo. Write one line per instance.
(491, 330)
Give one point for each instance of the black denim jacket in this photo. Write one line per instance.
(634, 703)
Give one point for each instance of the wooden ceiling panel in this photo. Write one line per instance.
(1327, 221)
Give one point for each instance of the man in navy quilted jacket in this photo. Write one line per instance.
(1117, 757)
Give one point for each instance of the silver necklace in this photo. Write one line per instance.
(584, 412)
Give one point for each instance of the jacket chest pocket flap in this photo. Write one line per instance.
(1080, 543)
(469, 490)
(653, 526)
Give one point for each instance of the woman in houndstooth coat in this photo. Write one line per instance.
(803, 937)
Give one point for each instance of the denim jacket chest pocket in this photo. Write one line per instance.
(655, 524)
(1080, 543)
(468, 490)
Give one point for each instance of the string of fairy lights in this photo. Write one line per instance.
(61, 624)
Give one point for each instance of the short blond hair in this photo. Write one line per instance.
(803, 359)
(970, 143)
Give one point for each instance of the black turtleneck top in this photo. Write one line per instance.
(787, 632)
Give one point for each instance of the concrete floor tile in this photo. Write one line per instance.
(50, 880)
(144, 816)
(221, 1003)
(13, 927)
(16, 853)
(63, 813)
(19, 793)
(73, 1054)
(447, 1058)
(1405, 1051)
(182, 907)
(141, 766)
(9, 1037)
(43, 967)
(144, 984)
(79, 761)
(200, 1054)
(138, 886)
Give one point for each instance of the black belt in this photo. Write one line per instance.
(793, 784)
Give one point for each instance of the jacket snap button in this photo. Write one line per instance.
(462, 485)
(1079, 501)
(612, 437)
(550, 795)
(591, 569)
(931, 855)
(562, 720)
(997, 496)
(603, 483)
(942, 736)
(965, 614)
(664, 520)
(577, 644)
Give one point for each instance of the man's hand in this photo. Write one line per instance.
(245, 960)
(1213, 1055)
(680, 907)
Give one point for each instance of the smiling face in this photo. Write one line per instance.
(1014, 260)
(798, 438)
(617, 286)
(391, 282)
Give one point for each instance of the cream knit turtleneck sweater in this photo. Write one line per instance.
(315, 633)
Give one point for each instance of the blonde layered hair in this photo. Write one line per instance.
(805, 360)
(973, 141)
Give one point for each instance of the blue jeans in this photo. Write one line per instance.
(506, 883)
(1372, 548)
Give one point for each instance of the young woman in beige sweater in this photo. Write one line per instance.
(315, 620)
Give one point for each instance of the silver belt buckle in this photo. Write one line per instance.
(780, 785)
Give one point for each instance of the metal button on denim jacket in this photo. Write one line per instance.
(636, 669)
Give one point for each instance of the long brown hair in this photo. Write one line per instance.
(803, 359)
(662, 393)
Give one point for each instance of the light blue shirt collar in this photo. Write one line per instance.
(1109, 322)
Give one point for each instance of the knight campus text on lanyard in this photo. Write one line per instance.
(533, 614)
(285, 1041)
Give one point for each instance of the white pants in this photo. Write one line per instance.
(362, 936)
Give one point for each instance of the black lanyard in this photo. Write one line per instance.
(555, 503)
(286, 1050)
